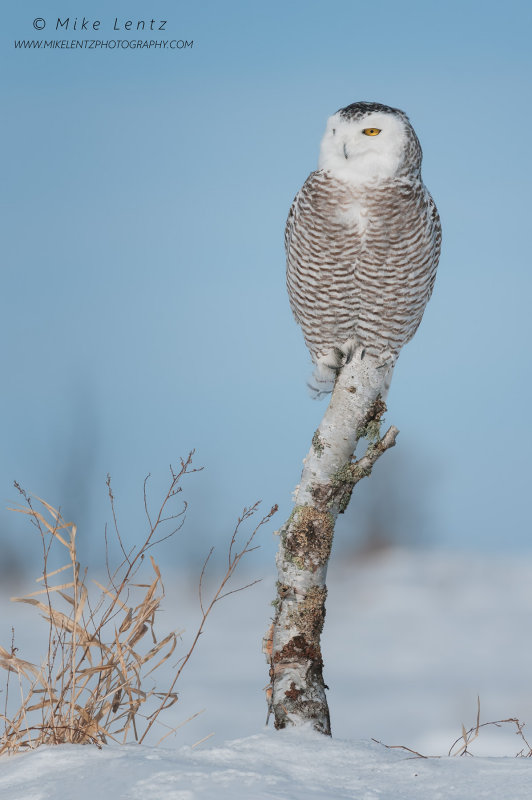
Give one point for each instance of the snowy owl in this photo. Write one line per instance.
(362, 241)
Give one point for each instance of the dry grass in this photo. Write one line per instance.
(461, 745)
(102, 646)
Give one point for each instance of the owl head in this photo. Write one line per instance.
(367, 142)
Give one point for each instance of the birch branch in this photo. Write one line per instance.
(296, 694)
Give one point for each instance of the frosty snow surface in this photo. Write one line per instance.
(269, 766)
(411, 639)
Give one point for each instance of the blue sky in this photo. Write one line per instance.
(144, 311)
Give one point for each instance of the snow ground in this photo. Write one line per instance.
(411, 639)
(267, 766)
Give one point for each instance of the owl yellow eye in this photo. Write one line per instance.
(372, 131)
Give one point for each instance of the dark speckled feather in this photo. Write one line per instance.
(361, 261)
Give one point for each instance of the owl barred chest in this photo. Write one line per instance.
(362, 238)
(359, 262)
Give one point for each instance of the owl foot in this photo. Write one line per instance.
(386, 363)
(386, 360)
(341, 355)
(329, 365)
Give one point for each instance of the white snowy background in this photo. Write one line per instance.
(411, 640)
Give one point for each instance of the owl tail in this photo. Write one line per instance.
(321, 382)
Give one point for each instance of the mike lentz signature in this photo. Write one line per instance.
(84, 24)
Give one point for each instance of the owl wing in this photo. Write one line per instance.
(431, 256)
(323, 242)
(396, 272)
(289, 227)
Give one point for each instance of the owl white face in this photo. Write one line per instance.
(363, 150)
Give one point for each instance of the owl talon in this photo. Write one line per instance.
(347, 350)
(339, 357)
(386, 360)
(329, 365)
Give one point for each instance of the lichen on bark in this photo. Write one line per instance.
(297, 691)
(308, 538)
(317, 444)
(308, 616)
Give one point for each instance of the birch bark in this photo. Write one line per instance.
(296, 694)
